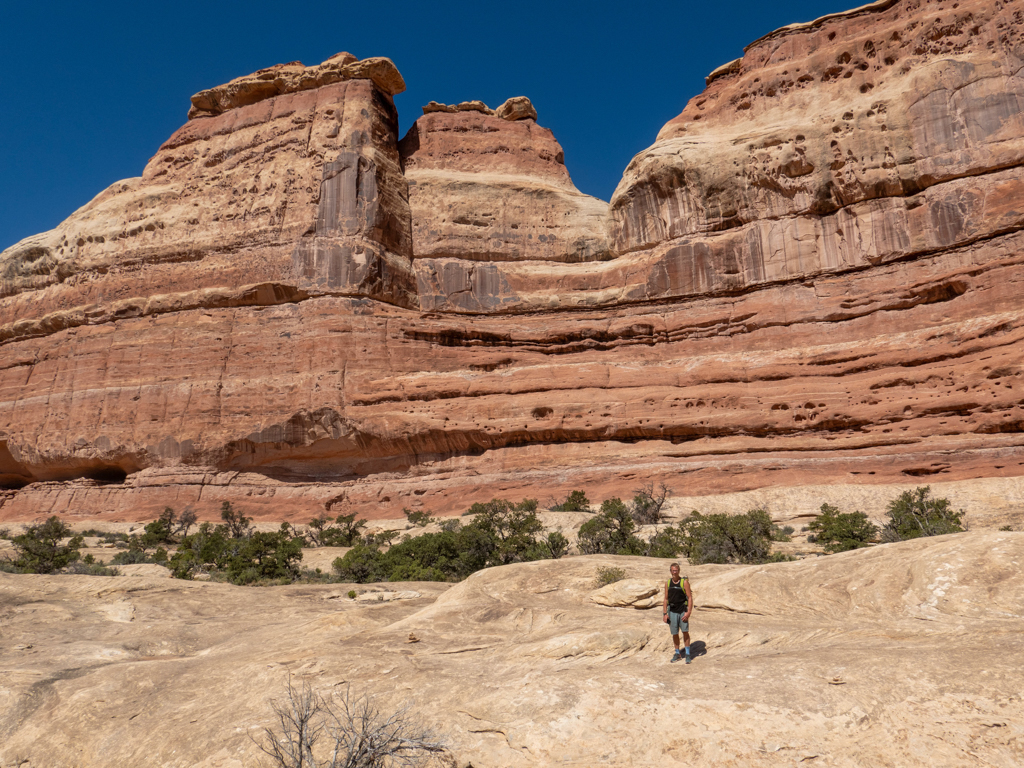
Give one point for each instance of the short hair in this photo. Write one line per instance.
(674, 565)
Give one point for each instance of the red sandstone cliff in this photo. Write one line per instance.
(814, 275)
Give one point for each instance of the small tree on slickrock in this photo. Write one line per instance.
(912, 515)
(40, 549)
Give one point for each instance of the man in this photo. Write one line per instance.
(677, 605)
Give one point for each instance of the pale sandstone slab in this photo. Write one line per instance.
(845, 658)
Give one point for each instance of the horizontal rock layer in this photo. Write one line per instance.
(488, 188)
(813, 276)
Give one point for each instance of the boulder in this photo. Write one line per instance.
(517, 108)
(627, 592)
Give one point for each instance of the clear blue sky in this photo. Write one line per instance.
(91, 89)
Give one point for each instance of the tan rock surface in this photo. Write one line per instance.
(903, 654)
(517, 108)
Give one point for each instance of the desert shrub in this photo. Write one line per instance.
(451, 525)
(379, 539)
(1006, 528)
(5, 533)
(418, 518)
(842, 531)
(513, 529)
(246, 559)
(345, 732)
(606, 576)
(344, 533)
(361, 564)
(610, 532)
(576, 501)
(39, 548)
(721, 538)
(200, 551)
(238, 525)
(265, 556)
(647, 503)
(82, 568)
(134, 555)
(501, 532)
(556, 544)
(668, 542)
(912, 515)
(161, 530)
(160, 556)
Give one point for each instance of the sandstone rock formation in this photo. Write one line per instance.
(905, 654)
(811, 278)
(491, 186)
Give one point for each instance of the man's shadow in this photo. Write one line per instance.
(698, 648)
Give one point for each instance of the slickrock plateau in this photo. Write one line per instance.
(813, 277)
(905, 654)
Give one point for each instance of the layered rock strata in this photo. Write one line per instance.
(813, 276)
(491, 186)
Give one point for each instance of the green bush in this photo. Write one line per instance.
(238, 525)
(512, 528)
(39, 548)
(253, 557)
(83, 568)
(161, 530)
(134, 555)
(576, 501)
(266, 556)
(606, 576)
(668, 542)
(1006, 528)
(557, 545)
(501, 532)
(722, 538)
(610, 532)
(419, 519)
(842, 531)
(344, 533)
(912, 515)
(379, 539)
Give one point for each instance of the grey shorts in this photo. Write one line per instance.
(676, 623)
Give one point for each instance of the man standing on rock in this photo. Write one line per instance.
(677, 606)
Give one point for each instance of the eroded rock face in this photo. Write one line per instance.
(224, 206)
(293, 77)
(863, 138)
(492, 187)
(812, 277)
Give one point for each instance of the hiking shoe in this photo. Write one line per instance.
(676, 657)
(688, 659)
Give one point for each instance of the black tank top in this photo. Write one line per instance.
(677, 596)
